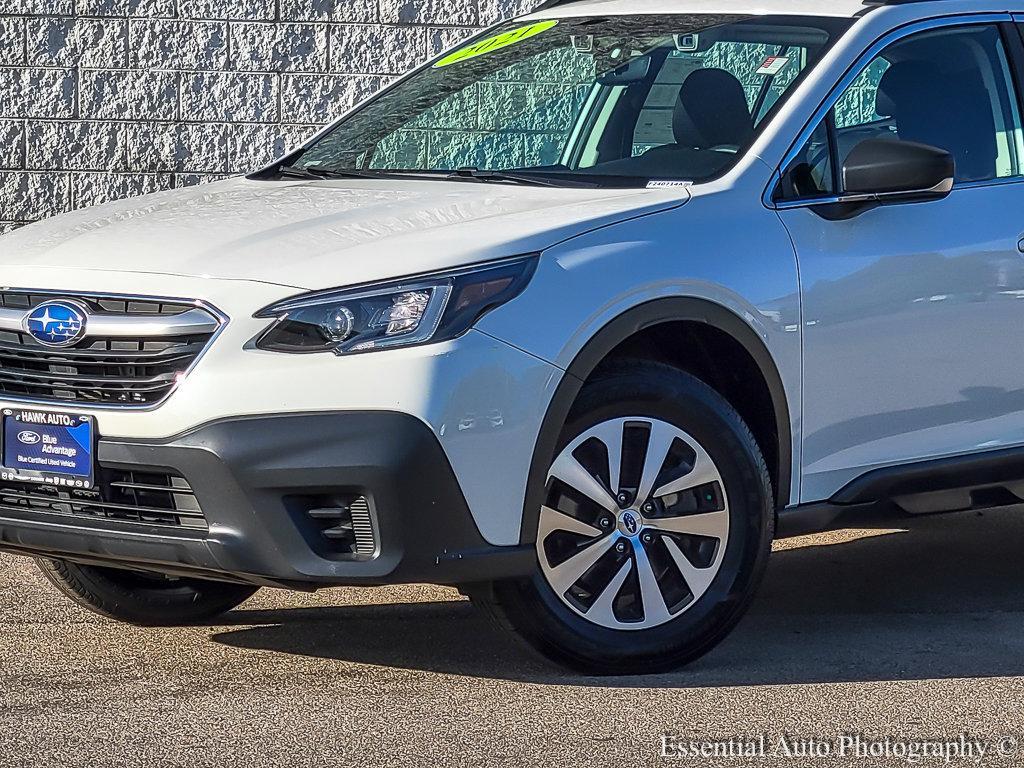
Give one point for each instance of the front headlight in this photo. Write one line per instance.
(400, 313)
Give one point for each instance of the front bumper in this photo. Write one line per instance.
(256, 480)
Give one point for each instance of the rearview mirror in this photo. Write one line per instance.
(884, 171)
(632, 71)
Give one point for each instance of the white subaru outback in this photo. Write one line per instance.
(578, 317)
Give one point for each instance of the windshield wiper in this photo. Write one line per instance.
(317, 173)
(320, 174)
(533, 180)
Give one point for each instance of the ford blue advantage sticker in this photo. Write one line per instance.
(53, 448)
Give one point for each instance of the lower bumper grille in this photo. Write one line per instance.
(144, 497)
(348, 526)
(336, 526)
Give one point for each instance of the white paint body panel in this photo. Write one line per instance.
(321, 234)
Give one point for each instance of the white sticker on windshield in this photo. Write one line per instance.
(773, 65)
(662, 183)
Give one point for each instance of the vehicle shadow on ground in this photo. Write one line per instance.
(939, 597)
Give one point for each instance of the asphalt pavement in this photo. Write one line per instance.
(907, 630)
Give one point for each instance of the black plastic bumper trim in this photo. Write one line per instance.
(242, 470)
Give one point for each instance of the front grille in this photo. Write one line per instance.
(148, 497)
(136, 362)
(112, 305)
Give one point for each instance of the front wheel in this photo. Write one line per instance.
(141, 598)
(655, 531)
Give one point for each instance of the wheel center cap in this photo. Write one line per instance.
(630, 523)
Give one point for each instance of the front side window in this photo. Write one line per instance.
(617, 100)
(950, 88)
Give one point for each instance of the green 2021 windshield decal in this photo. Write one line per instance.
(496, 42)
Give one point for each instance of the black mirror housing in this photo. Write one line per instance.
(892, 168)
(889, 171)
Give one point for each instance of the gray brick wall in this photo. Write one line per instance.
(101, 99)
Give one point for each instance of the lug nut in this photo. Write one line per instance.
(620, 547)
(623, 498)
(649, 506)
(605, 522)
(647, 538)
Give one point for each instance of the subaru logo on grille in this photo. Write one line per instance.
(56, 323)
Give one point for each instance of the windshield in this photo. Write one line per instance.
(609, 101)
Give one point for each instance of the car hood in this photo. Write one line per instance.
(320, 234)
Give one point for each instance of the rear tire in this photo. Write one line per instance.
(143, 599)
(647, 565)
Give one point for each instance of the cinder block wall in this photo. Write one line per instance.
(101, 99)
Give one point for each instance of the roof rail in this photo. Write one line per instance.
(880, 3)
(548, 4)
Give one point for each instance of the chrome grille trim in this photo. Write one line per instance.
(193, 321)
(127, 330)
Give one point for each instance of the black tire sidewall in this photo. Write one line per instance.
(137, 599)
(655, 391)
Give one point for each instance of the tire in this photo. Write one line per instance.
(143, 599)
(609, 619)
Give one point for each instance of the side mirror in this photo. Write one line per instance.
(885, 171)
(886, 167)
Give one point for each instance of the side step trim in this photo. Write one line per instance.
(950, 484)
(968, 471)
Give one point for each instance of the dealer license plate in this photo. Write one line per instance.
(52, 448)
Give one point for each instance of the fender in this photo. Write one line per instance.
(667, 310)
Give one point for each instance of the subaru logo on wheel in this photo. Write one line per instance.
(56, 323)
(629, 520)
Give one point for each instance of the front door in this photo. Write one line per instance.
(913, 313)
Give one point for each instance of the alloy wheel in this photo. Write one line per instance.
(635, 524)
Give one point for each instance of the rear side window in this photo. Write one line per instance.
(950, 88)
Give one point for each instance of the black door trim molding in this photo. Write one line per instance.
(949, 484)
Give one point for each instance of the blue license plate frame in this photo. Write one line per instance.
(48, 448)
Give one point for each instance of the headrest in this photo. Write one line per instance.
(712, 111)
